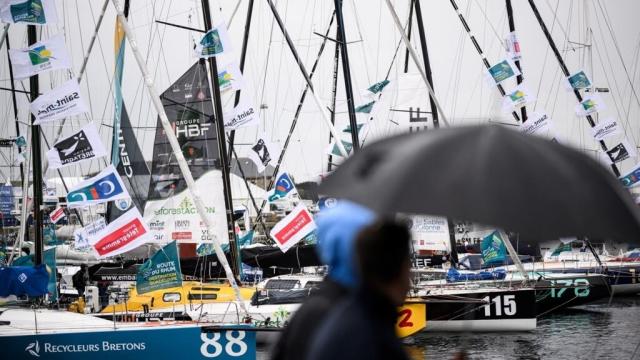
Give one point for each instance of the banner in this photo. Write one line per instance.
(494, 252)
(59, 103)
(230, 77)
(606, 128)
(104, 187)
(81, 146)
(622, 151)
(517, 98)
(6, 201)
(34, 12)
(502, 71)
(578, 81)
(512, 45)
(124, 234)
(293, 228)
(44, 55)
(215, 42)
(161, 271)
(632, 178)
(57, 215)
(590, 104)
(81, 236)
(430, 233)
(263, 152)
(284, 187)
(245, 114)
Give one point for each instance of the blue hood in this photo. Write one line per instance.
(337, 229)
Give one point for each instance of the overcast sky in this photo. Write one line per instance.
(601, 37)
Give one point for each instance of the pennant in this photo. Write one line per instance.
(293, 228)
(45, 55)
(512, 44)
(81, 236)
(502, 71)
(348, 128)
(517, 98)
(57, 215)
(230, 77)
(284, 187)
(34, 12)
(622, 151)
(333, 149)
(81, 146)
(244, 114)
(215, 42)
(606, 128)
(263, 152)
(59, 103)
(161, 271)
(104, 187)
(493, 249)
(366, 108)
(21, 141)
(123, 234)
(563, 247)
(377, 87)
(590, 104)
(632, 178)
(578, 81)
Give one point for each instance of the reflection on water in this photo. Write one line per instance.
(598, 331)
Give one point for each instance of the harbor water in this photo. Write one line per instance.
(597, 331)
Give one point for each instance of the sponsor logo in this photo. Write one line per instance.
(22, 277)
(240, 118)
(104, 188)
(74, 148)
(181, 235)
(182, 224)
(28, 11)
(40, 55)
(618, 153)
(156, 225)
(33, 349)
(291, 229)
(124, 156)
(51, 348)
(120, 237)
(191, 128)
(59, 104)
(123, 204)
(185, 207)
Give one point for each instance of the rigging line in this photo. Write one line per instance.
(486, 17)
(233, 14)
(264, 78)
(635, 73)
(555, 16)
(544, 65)
(82, 46)
(362, 46)
(617, 47)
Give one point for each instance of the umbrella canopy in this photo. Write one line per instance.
(491, 175)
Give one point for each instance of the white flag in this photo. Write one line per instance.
(293, 228)
(606, 128)
(245, 114)
(57, 215)
(123, 234)
(263, 152)
(50, 54)
(104, 187)
(230, 77)
(519, 97)
(590, 104)
(60, 102)
(83, 145)
(34, 12)
(501, 71)
(622, 151)
(82, 235)
(215, 42)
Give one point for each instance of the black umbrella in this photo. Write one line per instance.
(490, 175)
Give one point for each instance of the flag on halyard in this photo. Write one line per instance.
(293, 228)
(161, 271)
(60, 102)
(493, 250)
(284, 187)
(81, 146)
(123, 234)
(33, 12)
(104, 187)
(45, 55)
(215, 42)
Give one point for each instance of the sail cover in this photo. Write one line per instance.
(170, 210)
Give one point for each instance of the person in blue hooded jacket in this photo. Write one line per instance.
(337, 229)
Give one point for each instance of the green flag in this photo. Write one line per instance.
(160, 271)
(494, 252)
(49, 257)
(366, 108)
(377, 87)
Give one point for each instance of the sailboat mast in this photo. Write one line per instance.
(37, 162)
(427, 63)
(512, 29)
(15, 103)
(565, 71)
(346, 71)
(224, 160)
(334, 93)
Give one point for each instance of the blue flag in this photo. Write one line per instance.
(284, 187)
(49, 257)
(160, 271)
(494, 252)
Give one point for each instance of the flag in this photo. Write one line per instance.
(590, 104)
(230, 77)
(57, 215)
(244, 114)
(517, 98)
(502, 71)
(81, 146)
(123, 234)
(333, 148)
(512, 44)
(284, 187)
(245, 239)
(49, 258)
(293, 228)
(606, 128)
(366, 108)
(327, 203)
(35, 12)
(377, 87)
(49, 235)
(161, 271)
(622, 151)
(59, 103)
(348, 128)
(215, 42)
(21, 141)
(45, 55)
(104, 187)
(494, 252)
(81, 236)
(632, 178)
(564, 246)
(263, 152)
(578, 81)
